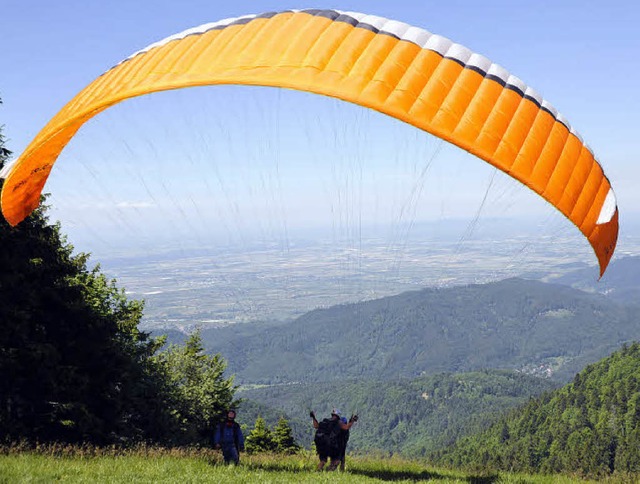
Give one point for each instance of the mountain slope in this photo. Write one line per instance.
(590, 426)
(410, 417)
(514, 323)
(621, 282)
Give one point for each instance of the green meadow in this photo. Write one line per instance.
(152, 465)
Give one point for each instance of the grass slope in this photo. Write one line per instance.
(179, 465)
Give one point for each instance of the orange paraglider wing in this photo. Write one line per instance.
(406, 72)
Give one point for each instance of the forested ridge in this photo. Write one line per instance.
(620, 283)
(412, 417)
(590, 426)
(515, 323)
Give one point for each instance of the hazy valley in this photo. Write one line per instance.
(281, 280)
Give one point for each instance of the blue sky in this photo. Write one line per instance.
(580, 55)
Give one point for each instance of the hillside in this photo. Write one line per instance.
(590, 426)
(621, 282)
(518, 324)
(408, 417)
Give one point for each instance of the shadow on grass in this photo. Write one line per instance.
(380, 474)
(483, 479)
(397, 475)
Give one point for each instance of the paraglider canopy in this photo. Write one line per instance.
(404, 71)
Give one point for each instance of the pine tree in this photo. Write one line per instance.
(260, 439)
(283, 437)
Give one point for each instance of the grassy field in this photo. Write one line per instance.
(151, 465)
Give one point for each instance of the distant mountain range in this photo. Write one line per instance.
(526, 325)
(422, 367)
(621, 282)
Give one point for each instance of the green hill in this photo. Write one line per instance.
(590, 426)
(512, 324)
(409, 417)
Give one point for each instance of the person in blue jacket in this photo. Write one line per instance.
(228, 436)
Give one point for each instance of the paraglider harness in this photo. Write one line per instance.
(327, 438)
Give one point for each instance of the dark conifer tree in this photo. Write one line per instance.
(73, 364)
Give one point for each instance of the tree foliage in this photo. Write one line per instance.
(514, 323)
(283, 437)
(280, 439)
(4, 151)
(196, 389)
(412, 417)
(260, 439)
(591, 426)
(71, 355)
(74, 365)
